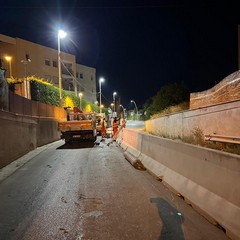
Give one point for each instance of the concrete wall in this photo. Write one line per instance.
(21, 134)
(206, 178)
(221, 119)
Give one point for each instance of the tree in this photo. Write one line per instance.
(169, 95)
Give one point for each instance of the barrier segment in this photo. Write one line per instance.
(205, 177)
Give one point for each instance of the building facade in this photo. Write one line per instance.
(30, 59)
(86, 79)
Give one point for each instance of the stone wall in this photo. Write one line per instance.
(226, 91)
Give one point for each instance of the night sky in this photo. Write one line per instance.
(137, 46)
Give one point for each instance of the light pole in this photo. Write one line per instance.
(61, 34)
(26, 83)
(123, 111)
(100, 92)
(114, 107)
(135, 107)
(9, 59)
(80, 96)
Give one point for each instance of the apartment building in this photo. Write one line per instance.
(86, 78)
(31, 59)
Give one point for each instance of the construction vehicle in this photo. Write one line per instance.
(79, 126)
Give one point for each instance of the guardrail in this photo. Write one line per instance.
(222, 138)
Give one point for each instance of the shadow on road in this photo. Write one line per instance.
(77, 145)
(171, 218)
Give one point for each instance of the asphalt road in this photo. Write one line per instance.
(85, 191)
(135, 124)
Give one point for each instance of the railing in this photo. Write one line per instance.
(222, 138)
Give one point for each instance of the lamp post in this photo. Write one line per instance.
(26, 83)
(114, 105)
(9, 59)
(61, 34)
(80, 96)
(123, 111)
(135, 107)
(100, 92)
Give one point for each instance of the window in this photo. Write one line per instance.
(54, 63)
(77, 74)
(91, 77)
(47, 62)
(81, 75)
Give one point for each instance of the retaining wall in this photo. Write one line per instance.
(21, 134)
(222, 119)
(207, 179)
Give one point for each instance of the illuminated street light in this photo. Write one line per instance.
(9, 59)
(114, 104)
(100, 90)
(135, 107)
(80, 96)
(61, 34)
(25, 82)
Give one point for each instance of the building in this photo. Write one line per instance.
(86, 78)
(31, 59)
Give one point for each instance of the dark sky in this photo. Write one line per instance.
(137, 46)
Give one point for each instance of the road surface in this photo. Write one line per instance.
(85, 191)
(135, 124)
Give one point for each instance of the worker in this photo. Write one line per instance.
(123, 123)
(115, 126)
(103, 128)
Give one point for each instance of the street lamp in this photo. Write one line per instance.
(100, 90)
(61, 34)
(26, 83)
(114, 105)
(135, 107)
(123, 110)
(9, 59)
(80, 96)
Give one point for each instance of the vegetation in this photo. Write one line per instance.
(169, 95)
(46, 92)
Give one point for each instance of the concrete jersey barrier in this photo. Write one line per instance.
(206, 178)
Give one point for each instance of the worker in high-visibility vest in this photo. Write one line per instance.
(123, 123)
(115, 126)
(103, 128)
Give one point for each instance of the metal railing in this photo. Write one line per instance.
(222, 138)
